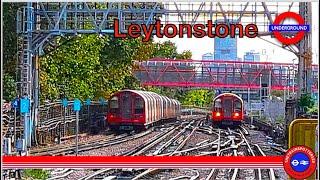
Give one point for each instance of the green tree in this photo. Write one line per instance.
(9, 49)
(92, 66)
(73, 69)
(10, 37)
(185, 55)
(9, 87)
(198, 97)
(84, 66)
(166, 49)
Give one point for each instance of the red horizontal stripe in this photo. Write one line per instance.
(88, 162)
(151, 164)
(144, 159)
(146, 167)
(241, 166)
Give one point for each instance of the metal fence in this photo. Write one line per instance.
(57, 122)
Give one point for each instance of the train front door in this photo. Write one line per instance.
(126, 106)
(227, 107)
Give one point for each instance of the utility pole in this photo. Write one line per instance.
(249, 104)
(77, 132)
(294, 76)
(269, 83)
(260, 93)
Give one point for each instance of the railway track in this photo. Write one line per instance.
(86, 146)
(167, 141)
(183, 139)
(240, 146)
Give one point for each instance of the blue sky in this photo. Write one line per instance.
(273, 52)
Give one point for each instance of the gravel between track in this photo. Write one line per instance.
(255, 137)
(119, 149)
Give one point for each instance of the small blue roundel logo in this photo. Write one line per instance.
(300, 162)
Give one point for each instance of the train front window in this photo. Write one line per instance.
(217, 105)
(237, 106)
(138, 109)
(114, 105)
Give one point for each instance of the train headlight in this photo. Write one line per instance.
(236, 115)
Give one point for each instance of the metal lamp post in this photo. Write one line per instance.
(294, 76)
(260, 82)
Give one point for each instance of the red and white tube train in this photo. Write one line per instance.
(227, 109)
(131, 109)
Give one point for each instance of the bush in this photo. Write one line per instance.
(306, 102)
(35, 174)
(312, 110)
(280, 119)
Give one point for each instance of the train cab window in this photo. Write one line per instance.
(138, 109)
(237, 106)
(114, 105)
(217, 105)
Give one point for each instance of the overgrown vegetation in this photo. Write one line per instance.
(306, 102)
(280, 119)
(277, 93)
(37, 174)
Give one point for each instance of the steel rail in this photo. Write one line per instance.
(213, 172)
(64, 175)
(167, 144)
(271, 171)
(258, 171)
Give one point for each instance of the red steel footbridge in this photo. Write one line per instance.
(221, 74)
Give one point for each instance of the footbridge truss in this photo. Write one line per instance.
(221, 74)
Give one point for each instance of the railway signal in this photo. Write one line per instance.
(88, 102)
(64, 104)
(15, 105)
(24, 110)
(102, 101)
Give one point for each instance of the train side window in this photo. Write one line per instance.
(114, 105)
(138, 109)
